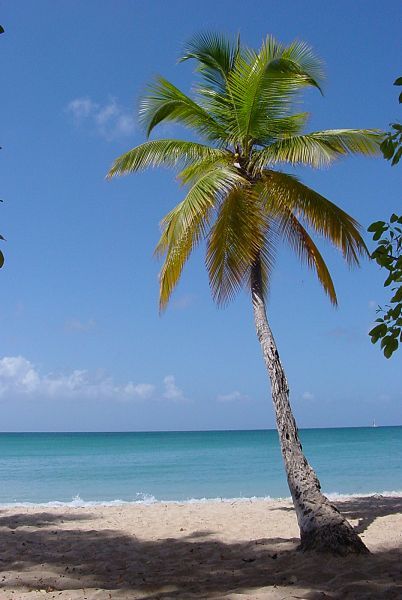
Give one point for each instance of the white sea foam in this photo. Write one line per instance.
(336, 496)
(143, 498)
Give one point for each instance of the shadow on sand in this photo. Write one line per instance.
(194, 566)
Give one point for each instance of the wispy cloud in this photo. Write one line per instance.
(172, 391)
(234, 396)
(81, 108)
(20, 378)
(77, 326)
(307, 396)
(110, 120)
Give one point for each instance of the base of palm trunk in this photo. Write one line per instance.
(338, 539)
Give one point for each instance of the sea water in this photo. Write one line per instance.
(82, 468)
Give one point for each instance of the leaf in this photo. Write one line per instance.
(390, 346)
(261, 85)
(282, 191)
(378, 234)
(295, 234)
(396, 311)
(215, 56)
(398, 81)
(377, 332)
(397, 157)
(376, 225)
(164, 153)
(165, 102)
(234, 243)
(389, 279)
(397, 297)
(319, 148)
(1, 259)
(186, 224)
(387, 147)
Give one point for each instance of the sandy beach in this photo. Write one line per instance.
(239, 549)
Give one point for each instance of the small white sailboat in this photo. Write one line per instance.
(374, 423)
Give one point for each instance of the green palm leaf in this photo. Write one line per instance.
(262, 86)
(270, 129)
(319, 148)
(165, 102)
(234, 243)
(299, 59)
(285, 192)
(185, 226)
(215, 56)
(295, 234)
(168, 153)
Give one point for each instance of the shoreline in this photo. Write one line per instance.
(149, 500)
(232, 550)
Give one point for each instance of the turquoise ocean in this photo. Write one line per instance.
(87, 468)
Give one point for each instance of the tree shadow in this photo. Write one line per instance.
(39, 519)
(365, 509)
(194, 565)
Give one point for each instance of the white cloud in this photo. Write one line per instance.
(110, 120)
(232, 397)
(82, 107)
(172, 391)
(307, 396)
(141, 390)
(19, 377)
(76, 325)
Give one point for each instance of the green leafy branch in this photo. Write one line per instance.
(391, 147)
(388, 255)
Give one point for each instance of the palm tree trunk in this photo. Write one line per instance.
(322, 527)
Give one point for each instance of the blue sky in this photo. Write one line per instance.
(82, 344)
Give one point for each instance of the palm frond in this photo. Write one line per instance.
(263, 86)
(165, 102)
(281, 191)
(185, 226)
(299, 59)
(272, 129)
(215, 56)
(164, 152)
(299, 240)
(318, 148)
(235, 241)
(197, 169)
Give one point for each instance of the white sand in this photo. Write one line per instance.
(201, 550)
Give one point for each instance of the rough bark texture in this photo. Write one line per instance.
(322, 527)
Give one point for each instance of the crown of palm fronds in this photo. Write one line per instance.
(243, 110)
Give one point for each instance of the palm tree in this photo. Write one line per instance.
(237, 200)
